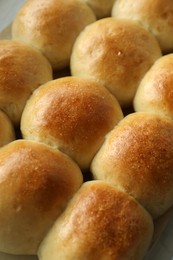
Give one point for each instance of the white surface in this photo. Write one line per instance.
(163, 249)
(8, 9)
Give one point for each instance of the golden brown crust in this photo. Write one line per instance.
(72, 114)
(154, 15)
(22, 70)
(155, 92)
(137, 156)
(36, 181)
(100, 222)
(7, 132)
(52, 27)
(116, 53)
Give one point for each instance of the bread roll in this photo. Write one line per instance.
(7, 132)
(99, 223)
(155, 92)
(155, 16)
(36, 182)
(52, 27)
(22, 70)
(116, 53)
(101, 8)
(137, 157)
(73, 115)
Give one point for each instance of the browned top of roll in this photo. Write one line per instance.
(52, 27)
(22, 70)
(155, 15)
(155, 92)
(137, 156)
(116, 53)
(73, 114)
(100, 222)
(36, 181)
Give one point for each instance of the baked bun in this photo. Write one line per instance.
(116, 53)
(22, 70)
(52, 27)
(101, 8)
(100, 222)
(137, 157)
(36, 182)
(155, 16)
(7, 132)
(71, 114)
(155, 90)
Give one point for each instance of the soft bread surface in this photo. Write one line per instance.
(116, 53)
(137, 157)
(155, 92)
(154, 15)
(52, 27)
(22, 70)
(72, 114)
(7, 132)
(100, 222)
(36, 182)
(101, 8)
